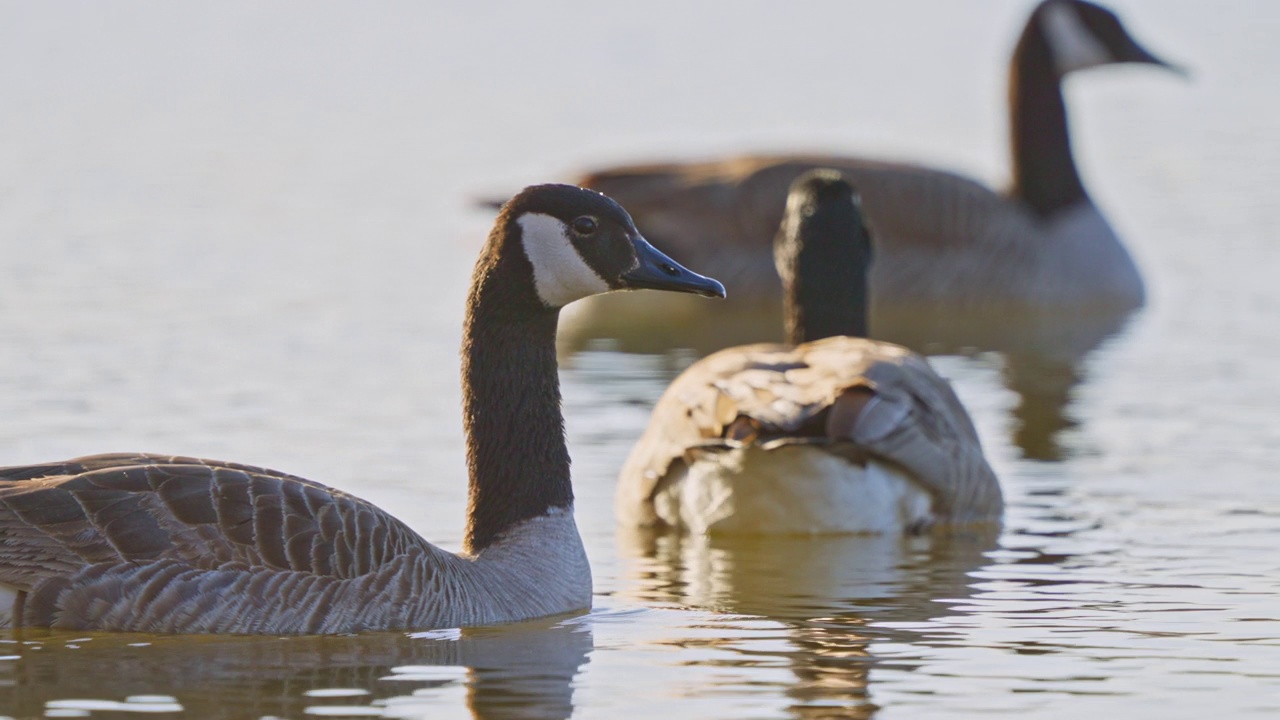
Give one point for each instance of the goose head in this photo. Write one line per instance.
(579, 242)
(823, 254)
(1082, 35)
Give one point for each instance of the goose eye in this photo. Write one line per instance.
(584, 225)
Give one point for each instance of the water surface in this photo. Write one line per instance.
(242, 231)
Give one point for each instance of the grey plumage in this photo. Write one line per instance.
(173, 544)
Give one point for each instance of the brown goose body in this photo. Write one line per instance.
(831, 433)
(151, 543)
(830, 461)
(172, 544)
(944, 240)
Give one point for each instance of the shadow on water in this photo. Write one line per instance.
(1043, 351)
(837, 595)
(517, 671)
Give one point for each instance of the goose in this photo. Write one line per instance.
(829, 433)
(155, 543)
(944, 241)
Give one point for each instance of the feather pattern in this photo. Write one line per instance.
(792, 395)
(174, 544)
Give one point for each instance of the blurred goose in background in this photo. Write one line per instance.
(943, 240)
(151, 543)
(831, 433)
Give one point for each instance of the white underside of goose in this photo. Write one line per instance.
(1013, 260)
(538, 569)
(791, 490)
(1079, 244)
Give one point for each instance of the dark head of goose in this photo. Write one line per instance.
(1082, 35)
(823, 253)
(579, 242)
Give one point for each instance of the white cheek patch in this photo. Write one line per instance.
(1073, 46)
(560, 275)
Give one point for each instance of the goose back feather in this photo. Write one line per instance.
(914, 447)
(172, 544)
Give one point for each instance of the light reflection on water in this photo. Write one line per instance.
(519, 671)
(1063, 607)
(225, 238)
(828, 593)
(1098, 585)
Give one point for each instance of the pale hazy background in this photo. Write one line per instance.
(242, 230)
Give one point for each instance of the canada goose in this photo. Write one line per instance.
(830, 433)
(135, 542)
(943, 240)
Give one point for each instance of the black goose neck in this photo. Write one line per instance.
(516, 454)
(823, 263)
(1044, 170)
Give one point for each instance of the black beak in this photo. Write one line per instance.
(656, 271)
(1138, 54)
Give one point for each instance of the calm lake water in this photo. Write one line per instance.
(242, 230)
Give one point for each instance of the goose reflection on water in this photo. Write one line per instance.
(524, 670)
(1043, 351)
(836, 595)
